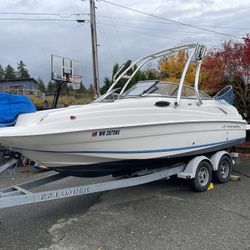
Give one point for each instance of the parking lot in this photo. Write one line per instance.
(159, 215)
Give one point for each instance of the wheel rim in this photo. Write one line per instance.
(203, 176)
(224, 169)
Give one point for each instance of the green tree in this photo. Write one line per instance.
(141, 75)
(9, 73)
(82, 89)
(107, 84)
(116, 67)
(51, 87)
(22, 71)
(40, 85)
(67, 90)
(1, 73)
(91, 91)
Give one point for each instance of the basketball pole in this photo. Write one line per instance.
(94, 48)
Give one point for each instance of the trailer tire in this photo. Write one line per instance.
(224, 170)
(203, 176)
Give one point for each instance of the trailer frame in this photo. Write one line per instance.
(22, 194)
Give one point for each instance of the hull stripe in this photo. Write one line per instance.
(235, 141)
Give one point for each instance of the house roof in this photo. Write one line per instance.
(20, 80)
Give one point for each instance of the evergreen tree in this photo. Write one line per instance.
(51, 87)
(82, 89)
(116, 67)
(141, 75)
(1, 73)
(9, 73)
(67, 90)
(22, 71)
(91, 91)
(40, 85)
(107, 84)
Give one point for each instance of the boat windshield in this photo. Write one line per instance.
(139, 88)
(156, 88)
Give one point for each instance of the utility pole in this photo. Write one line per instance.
(94, 47)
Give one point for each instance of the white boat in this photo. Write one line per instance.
(143, 127)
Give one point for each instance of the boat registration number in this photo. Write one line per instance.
(106, 132)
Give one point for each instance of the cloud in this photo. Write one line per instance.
(122, 34)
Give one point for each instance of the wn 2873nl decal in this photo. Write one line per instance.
(106, 132)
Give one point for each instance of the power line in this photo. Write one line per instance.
(68, 15)
(40, 19)
(170, 20)
(150, 28)
(150, 34)
(106, 43)
(151, 21)
(145, 33)
(62, 15)
(117, 34)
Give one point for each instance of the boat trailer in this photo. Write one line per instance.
(22, 194)
(10, 164)
(199, 170)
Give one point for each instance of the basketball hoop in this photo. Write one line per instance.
(65, 69)
(67, 72)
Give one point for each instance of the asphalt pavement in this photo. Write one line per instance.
(159, 215)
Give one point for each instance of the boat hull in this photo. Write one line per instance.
(125, 149)
(124, 167)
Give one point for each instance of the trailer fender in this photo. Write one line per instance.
(190, 169)
(215, 159)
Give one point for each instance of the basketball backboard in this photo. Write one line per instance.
(66, 69)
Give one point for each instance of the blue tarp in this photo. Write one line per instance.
(13, 105)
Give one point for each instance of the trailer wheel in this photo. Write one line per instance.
(225, 166)
(203, 176)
